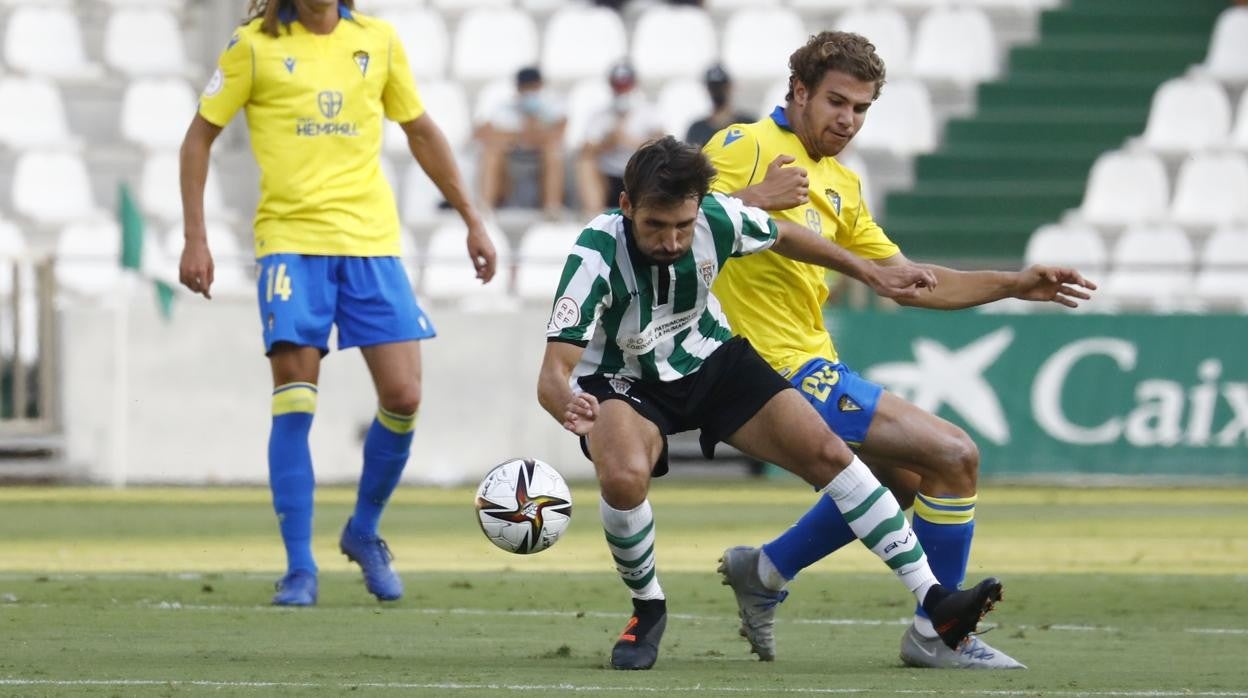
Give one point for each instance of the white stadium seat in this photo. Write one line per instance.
(1228, 59)
(673, 42)
(47, 41)
(758, 42)
(955, 45)
(681, 102)
(585, 99)
(543, 250)
(33, 116)
(449, 275)
(52, 188)
(1125, 187)
(425, 39)
(1239, 134)
(447, 104)
(160, 192)
(144, 41)
(155, 112)
(1222, 280)
(87, 257)
(1068, 246)
(887, 29)
(728, 6)
(490, 98)
(1187, 114)
(493, 43)
(419, 196)
(233, 265)
(453, 6)
(900, 122)
(1211, 189)
(582, 42)
(918, 5)
(822, 6)
(1152, 268)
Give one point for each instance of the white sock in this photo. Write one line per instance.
(630, 536)
(923, 626)
(767, 572)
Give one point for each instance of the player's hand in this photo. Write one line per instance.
(901, 281)
(481, 251)
(782, 187)
(1053, 284)
(580, 414)
(195, 270)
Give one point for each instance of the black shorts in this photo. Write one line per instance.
(732, 385)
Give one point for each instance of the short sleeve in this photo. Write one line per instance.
(738, 229)
(734, 153)
(584, 289)
(399, 97)
(229, 88)
(868, 239)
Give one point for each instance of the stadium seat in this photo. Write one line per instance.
(233, 264)
(1227, 59)
(87, 258)
(673, 42)
(1211, 189)
(175, 5)
(1125, 187)
(449, 276)
(582, 42)
(160, 193)
(816, 7)
(447, 104)
(52, 188)
(918, 5)
(1222, 280)
(1067, 245)
(730, 6)
(490, 98)
(542, 7)
(12, 250)
(772, 97)
(900, 122)
(853, 161)
(543, 250)
(887, 30)
(1239, 134)
(425, 39)
(144, 41)
(758, 42)
(1152, 269)
(681, 102)
(480, 52)
(34, 115)
(585, 99)
(420, 197)
(46, 41)
(155, 112)
(454, 6)
(955, 45)
(1187, 114)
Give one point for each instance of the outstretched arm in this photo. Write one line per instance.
(432, 151)
(901, 281)
(965, 289)
(575, 412)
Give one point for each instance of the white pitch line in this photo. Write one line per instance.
(574, 688)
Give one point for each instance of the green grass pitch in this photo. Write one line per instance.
(156, 592)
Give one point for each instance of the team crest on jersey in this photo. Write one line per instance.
(620, 385)
(833, 198)
(290, 64)
(846, 404)
(706, 270)
(361, 60)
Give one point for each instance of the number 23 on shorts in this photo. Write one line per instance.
(819, 384)
(276, 283)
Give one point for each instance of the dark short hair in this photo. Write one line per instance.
(665, 172)
(528, 75)
(844, 52)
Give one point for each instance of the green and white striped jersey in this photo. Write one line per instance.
(655, 323)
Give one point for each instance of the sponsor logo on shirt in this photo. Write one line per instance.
(330, 103)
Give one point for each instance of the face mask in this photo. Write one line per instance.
(531, 103)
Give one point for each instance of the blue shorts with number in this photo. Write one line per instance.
(844, 399)
(368, 298)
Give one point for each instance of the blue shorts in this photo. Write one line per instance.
(844, 399)
(368, 298)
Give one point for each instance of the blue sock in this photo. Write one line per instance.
(945, 527)
(290, 471)
(386, 449)
(819, 533)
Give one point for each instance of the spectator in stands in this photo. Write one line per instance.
(313, 76)
(613, 135)
(522, 149)
(719, 87)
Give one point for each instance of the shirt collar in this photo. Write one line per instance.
(289, 14)
(778, 116)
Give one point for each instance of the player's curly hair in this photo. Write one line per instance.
(666, 171)
(269, 9)
(841, 51)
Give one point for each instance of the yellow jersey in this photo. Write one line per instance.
(774, 301)
(314, 106)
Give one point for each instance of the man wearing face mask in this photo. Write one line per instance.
(719, 87)
(613, 135)
(522, 149)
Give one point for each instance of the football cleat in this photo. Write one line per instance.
(756, 604)
(297, 588)
(974, 653)
(956, 613)
(638, 646)
(374, 557)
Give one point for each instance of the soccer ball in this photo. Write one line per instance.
(523, 505)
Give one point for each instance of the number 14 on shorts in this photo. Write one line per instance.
(276, 283)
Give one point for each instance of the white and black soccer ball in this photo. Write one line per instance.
(523, 505)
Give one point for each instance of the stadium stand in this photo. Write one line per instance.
(888, 30)
(144, 41)
(757, 43)
(478, 55)
(35, 116)
(47, 41)
(1187, 114)
(1125, 187)
(425, 38)
(582, 42)
(1222, 281)
(1152, 270)
(673, 42)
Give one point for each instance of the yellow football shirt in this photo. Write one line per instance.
(774, 301)
(314, 106)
